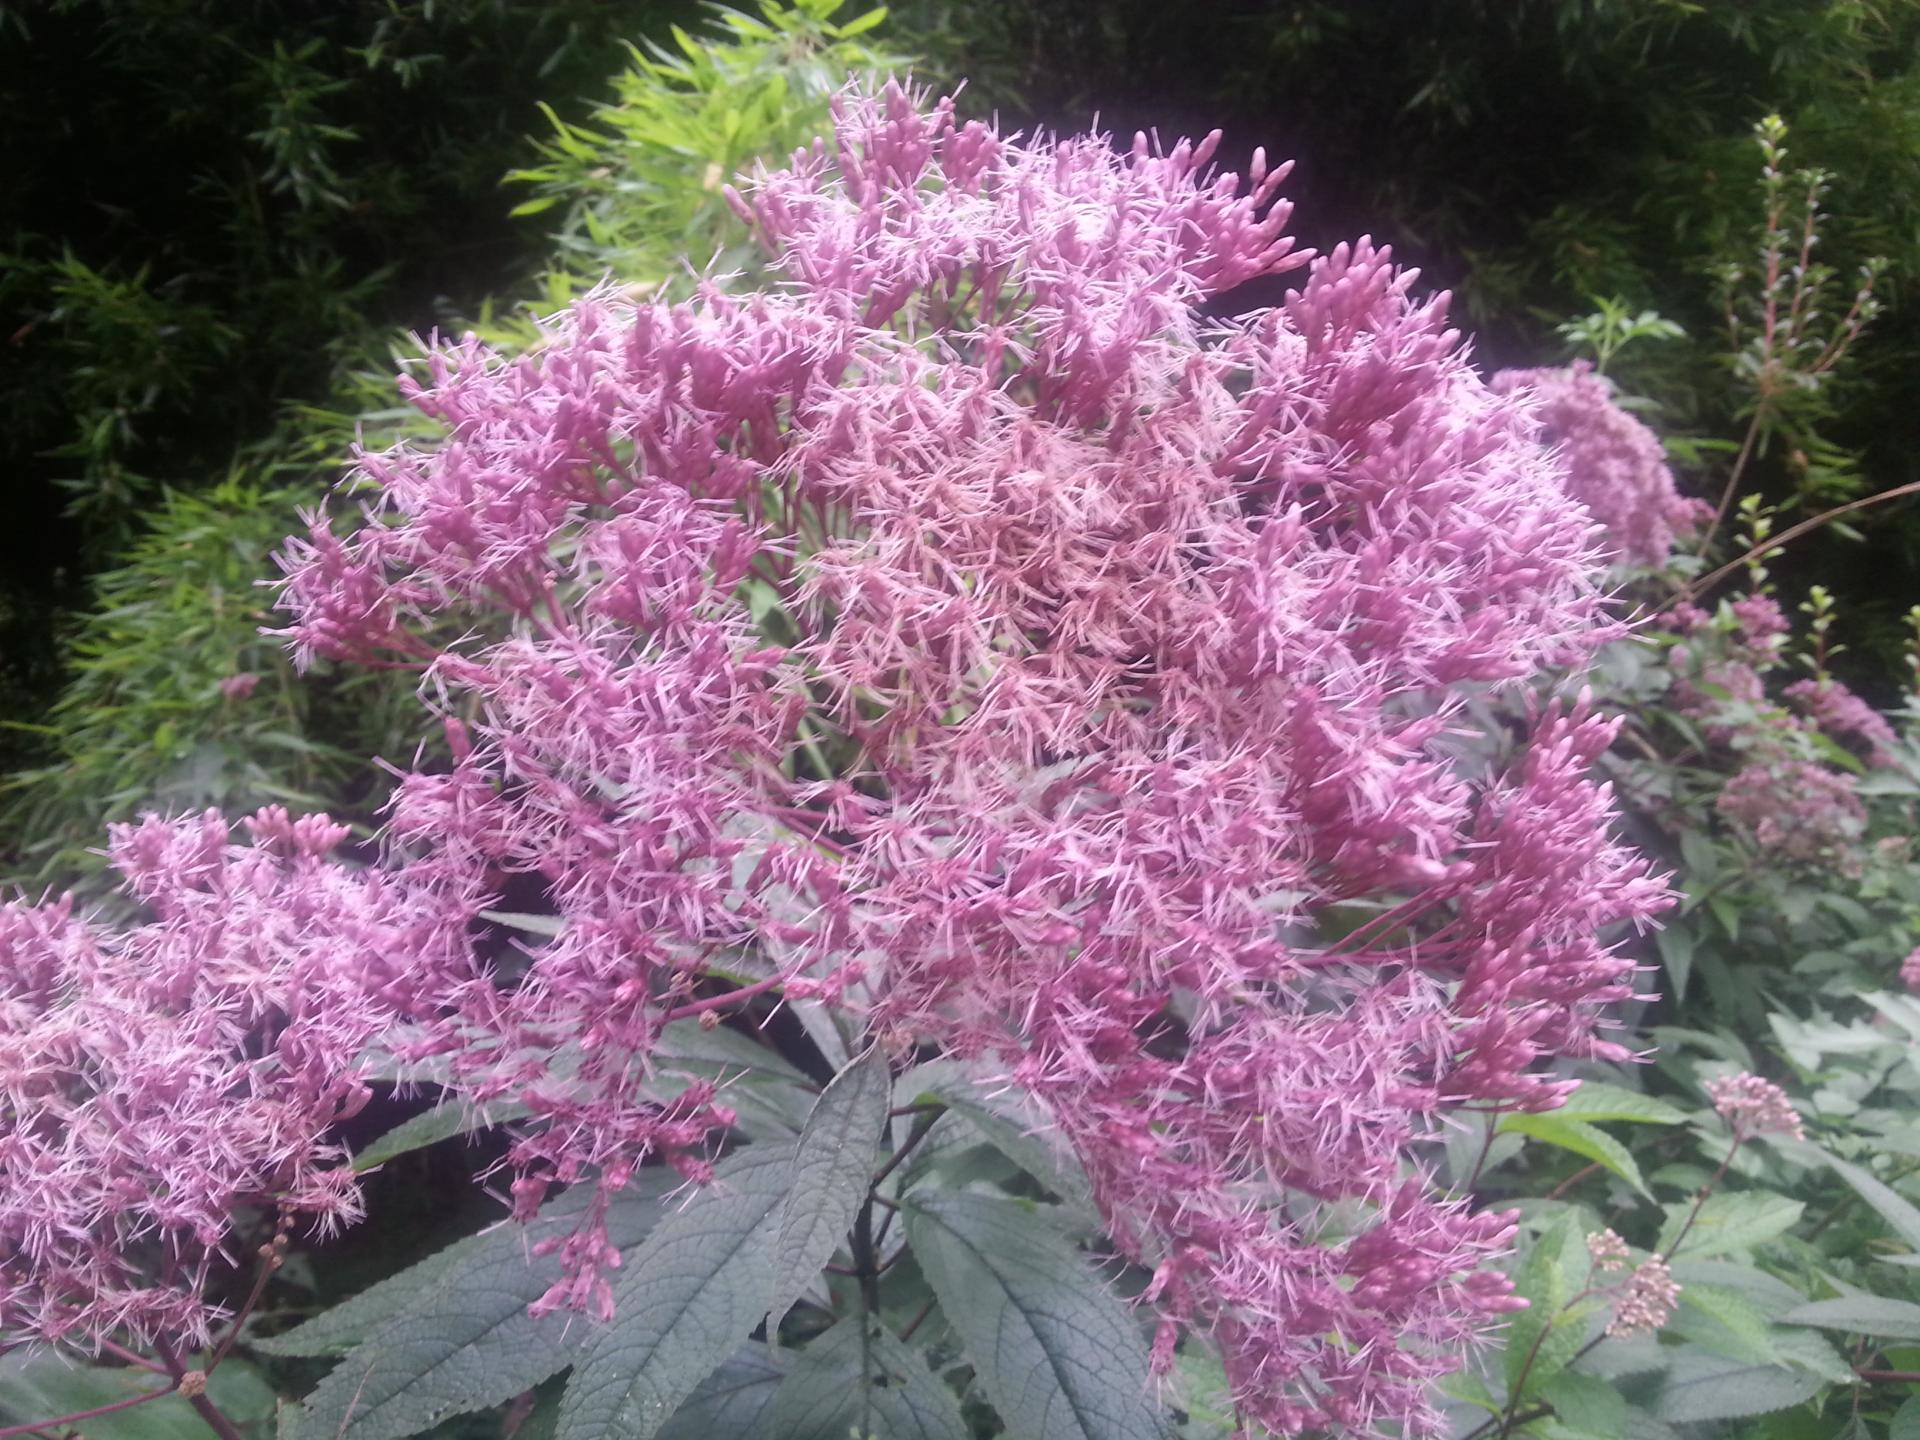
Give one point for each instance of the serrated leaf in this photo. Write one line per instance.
(1772, 1296)
(1860, 1315)
(1056, 1354)
(686, 1298)
(1624, 1355)
(1894, 1208)
(1543, 1339)
(1808, 1350)
(336, 1331)
(1704, 1386)
(1736, 1326)
(832, 1170)
(1597, 1100)
(732, 1401)
(770, 1094)
(1736, 1220)
(1582, 1139)
(857, 1379)
(467, 1342)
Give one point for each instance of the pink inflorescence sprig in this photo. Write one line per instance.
(1752, 1105)
(1615, 465)
(154, 1078)
(968, 634)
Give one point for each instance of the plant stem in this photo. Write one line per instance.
(1792, 532)
(202, 1405)
(1574, 1179)
(1700, 1200)
(1733, 477)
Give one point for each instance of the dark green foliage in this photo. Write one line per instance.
(189, 456)
(215, 211)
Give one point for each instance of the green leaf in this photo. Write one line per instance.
(1905, 1424)
(1057, 1355)
(1597, 1100)
(686, 1299)
(771, 1095)
(1581, 1138)
(1703, 1386)
(857, 1379)
(1543, 1339)
(1807, 1350)
(1860, 1315)
(1771, 1296)
(467, 1342)
(42, 1385)
(732, 1401)
(1737, 1220)
(832, 1168)
(1585, 1407)
(430, 1127)
(1893, 1207)
(1004, 1123)
(1734, 1325)
(336, 1331)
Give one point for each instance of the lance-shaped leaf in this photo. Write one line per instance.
(1057, 1355)
(466, 1341)
(857, 1379)
(1894, 1208)
(732, 1401)
(1582, 1139)
(1704, 1386)
(832, 1169)
(444, 1121)
(1861, 1315)
(685, 1300)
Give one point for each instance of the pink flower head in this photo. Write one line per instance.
(1797, 811)
(239, 686)
(975, 637)
(1648, 1300)
(154, 1078)
(1754, 1106)
(1608, 1250)
(1843, 715)
(1615, 465)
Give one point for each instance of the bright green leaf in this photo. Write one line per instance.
(1597, 1100)
(1582, 1139)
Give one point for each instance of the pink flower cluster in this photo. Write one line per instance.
(1797, 811)
(968, 634)
(1844, 716)
(1753, 1105)
(1615, 465)
(154, 1078)
(1647, 1301)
